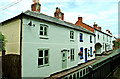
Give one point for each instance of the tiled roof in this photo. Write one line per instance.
(56, 20)
(103, 32)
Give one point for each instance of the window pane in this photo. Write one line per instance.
(71, 51)
(45, 29)
(80, 36)
(40, 61)
(41, 28)
(72, 33)
(46, 60)
(46, 52)
(73, 57)
(72, 37)
(63, 54)
(41, 32)
(45, 33)
(40, 53)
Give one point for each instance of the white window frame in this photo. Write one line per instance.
(72, 53)
(81, 37)
(72, 35)
(91, 39)
(103, 37)
(43, 31)
(43, 57)
(98, 36)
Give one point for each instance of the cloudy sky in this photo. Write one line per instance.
(104, 13)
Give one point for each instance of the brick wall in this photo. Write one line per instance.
(80, 23)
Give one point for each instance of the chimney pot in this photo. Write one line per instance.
(58, 14)
(80, 19)
(99, 28)
(95, 25)
(36, 6)
(108, 31)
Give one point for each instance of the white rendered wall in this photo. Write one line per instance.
(58, 39)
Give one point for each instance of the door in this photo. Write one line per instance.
(90, 50)
(64, 59)
(85, 54)
(105, 47)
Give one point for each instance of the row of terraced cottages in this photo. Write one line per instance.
(49, 44)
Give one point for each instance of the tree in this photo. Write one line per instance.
(2, 42)
(116, 44)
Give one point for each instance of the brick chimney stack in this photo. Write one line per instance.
(99, 28)
(108, 31)
(80, 19)
(35, 7)
(58, 14)
(95, 25)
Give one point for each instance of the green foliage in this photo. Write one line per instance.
(116, 44)
(2, 41)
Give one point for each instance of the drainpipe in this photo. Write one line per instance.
(21, 27)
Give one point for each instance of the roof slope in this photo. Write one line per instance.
(56, 20)
(49, 19)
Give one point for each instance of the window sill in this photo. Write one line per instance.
(72, 40)
(71, 60)
(81, 40)
(43, 37)
(39, 66)
(90, 42)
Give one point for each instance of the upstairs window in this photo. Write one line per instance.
(110, 40)
(81, 49)
(43, 30)
(81, 37)
(43, 57)
(90, 39)
(103, 38)
(71, 34)
(72, 54)
(98, 36)
(107, 38)
(90, 50)
(103, 46)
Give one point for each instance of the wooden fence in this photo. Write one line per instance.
(11, 66)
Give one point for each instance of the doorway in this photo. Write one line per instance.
(85, 54)
(64, 59)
